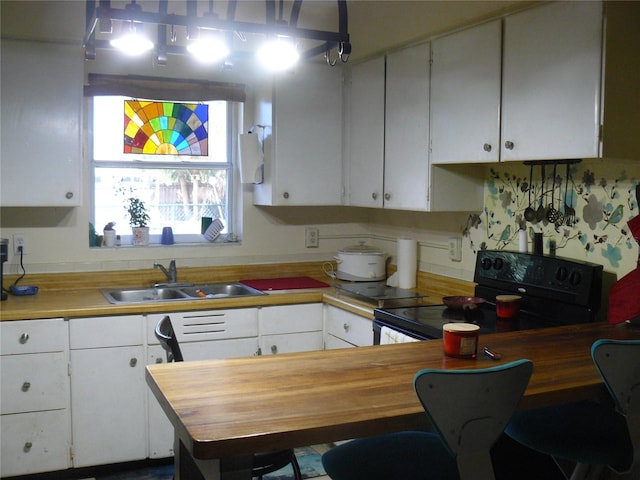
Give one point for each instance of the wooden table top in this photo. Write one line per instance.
(223, 408)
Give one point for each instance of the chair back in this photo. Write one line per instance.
(618, 362)
(167, 338)
(471, 408)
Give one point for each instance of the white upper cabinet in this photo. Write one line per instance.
(551, 82)
(365, 139)
(41, 115)
(303, 147)
(465, 95)
(406, 166)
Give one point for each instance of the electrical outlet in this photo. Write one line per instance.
(311, 237)
(455, 249)
(19, 240)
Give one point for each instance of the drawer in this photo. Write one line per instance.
(33, 336)
(99, 332)
(208, 325)
(348, 326)
(291, 342)
(290, 318)
(34, 382)
(35, 442)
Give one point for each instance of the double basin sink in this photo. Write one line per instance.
(177, 292)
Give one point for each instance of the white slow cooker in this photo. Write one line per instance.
(360, 263)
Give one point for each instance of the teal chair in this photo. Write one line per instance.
(468, 409)
(592, 435)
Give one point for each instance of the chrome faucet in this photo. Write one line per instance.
(171, 274)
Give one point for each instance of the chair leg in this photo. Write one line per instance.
(585, 471)
(297, 474)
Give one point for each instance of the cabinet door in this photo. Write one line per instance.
(365, 142)
(109, 421)
(41, 115)
(406, 173)
(304, 164)
(551, 82)
(465, 95)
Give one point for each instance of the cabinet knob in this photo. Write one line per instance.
(374, 195)
(24, 337)
(285, 194)
(133, 362)
(387, 196)
(26, 386)
(258, 352)
(346, 327)
(508, 145)
(69, 195)
(159, 360)
(27, 446)
(274, 349)
(487, 147)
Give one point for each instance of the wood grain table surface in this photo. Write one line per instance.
(223, 408)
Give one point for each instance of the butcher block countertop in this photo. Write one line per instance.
(316, 397)
(78, 294)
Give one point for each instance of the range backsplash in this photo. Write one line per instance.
(602, 195)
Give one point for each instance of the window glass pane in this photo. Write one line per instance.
(109, 122)
(174, 197)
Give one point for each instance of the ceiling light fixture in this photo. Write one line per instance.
(132, 42)
(301, 43)
(278, 54)
(209, 48)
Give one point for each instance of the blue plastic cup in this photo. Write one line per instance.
(167, 236)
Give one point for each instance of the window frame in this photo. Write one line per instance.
(233, 117)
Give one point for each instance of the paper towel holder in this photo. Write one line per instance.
(251, 156)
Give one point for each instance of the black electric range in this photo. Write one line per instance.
(555, 291)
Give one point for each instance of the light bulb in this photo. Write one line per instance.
(278, 54)
(132, 42)
(208, 50)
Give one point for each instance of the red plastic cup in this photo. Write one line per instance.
(460, 339)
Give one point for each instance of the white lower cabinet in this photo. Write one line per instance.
(35, 429)
(291, 328)
(108, 390)
(346, 329)
(202, 335)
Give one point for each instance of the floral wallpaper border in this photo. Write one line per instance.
(603, 200)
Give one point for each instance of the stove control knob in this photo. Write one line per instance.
(498, 263)
(575, 278)
(562, 273)
(486, 263)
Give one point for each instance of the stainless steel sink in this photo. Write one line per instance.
(164, 294)
(221, 290)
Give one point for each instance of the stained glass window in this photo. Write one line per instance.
(166, 128)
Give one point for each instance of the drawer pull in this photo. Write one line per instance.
(274, 349)
(158, 360)
(133, 362)
(23, 338)
(26, 386)
(27, 446)
(346, 327)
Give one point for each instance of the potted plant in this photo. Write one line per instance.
(138, 218)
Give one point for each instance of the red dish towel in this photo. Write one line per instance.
(288, 283)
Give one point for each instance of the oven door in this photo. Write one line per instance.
(399, 333)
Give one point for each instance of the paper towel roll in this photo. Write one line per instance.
(407, 262)
(250, 158)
